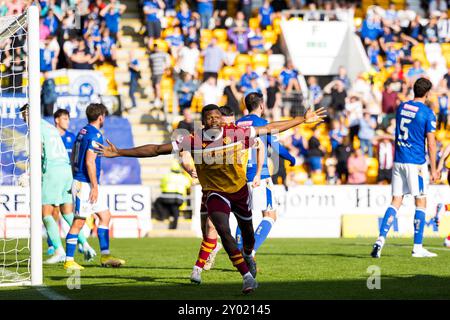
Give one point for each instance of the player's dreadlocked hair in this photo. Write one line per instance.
(207, 108)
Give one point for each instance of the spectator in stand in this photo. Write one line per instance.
(257, 41)
(443, 28)
(336, 134)
(108, 48)
(112, 13)
(357, 168)
(48, 57)
(192, 36)
(391, 13)
(298, 144)
(205, 9)
(430, 31)
(289, 78)
(265, 15)
(434, 74)
(406, 50)
(233, 96)
(16, 71)
(159, 61)
(210, 92)
(397, 85)
(48, 96)
(366, 133)
(384, 142)
(443, 101)
(392, 55)
(185, 18)
(151, 9)
(389, 100)
(336, 90)
(187, 123)
(415, 72)
(331, 172)
(414, 29)
(214, 57)
(15, 5)
(315, 152)
(81, 58)
(373, 52)
(315, 92)
(176, 42)
(3, 8)
(371, 29)
(230, 54)
(386, 37)
(246, 8)
(188, 58)
(239, 35)
(447, 78)
(343, 77)
(274, 99)
(354, 113)
(44, 31)
(342, 153)
(135, 74)
(52, 21)
(185, 88)
(247, 77)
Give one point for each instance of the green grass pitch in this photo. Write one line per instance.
(159, 268)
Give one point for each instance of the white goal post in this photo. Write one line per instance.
(20, 148)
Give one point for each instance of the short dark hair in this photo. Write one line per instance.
(60, 112)
(207, 108)
(253, 100)
(95, 110)
(226, 111)
(421, 87)
(26, 106)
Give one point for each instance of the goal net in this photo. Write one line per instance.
(20, 195)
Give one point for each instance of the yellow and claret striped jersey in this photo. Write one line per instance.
(220, 161)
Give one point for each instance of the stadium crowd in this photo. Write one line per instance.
(199, 54)
(205, 56)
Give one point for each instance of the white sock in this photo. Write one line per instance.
(248, 274)
(69, 258)
(105, 252)
(198, 269)
(417, 247)
(381, 240)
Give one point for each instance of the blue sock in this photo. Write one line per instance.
(71, 245)
(419, 224)
(388, 219)
(239, 238)
(262, 231)
(103, 238)
(49, 241)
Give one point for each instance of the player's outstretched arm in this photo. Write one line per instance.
(310, 116)
(444, 157)
(431, 140)
(145, 151)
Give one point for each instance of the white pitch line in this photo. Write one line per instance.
(442, 249)
(50, 294)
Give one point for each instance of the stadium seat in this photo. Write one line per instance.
(260, 60)
(243, 59)
(206, 35)
(277, 25)
(220, 34)
(253, 23)
(162, 44)
(226, 72)
(372, 170)
(269, 36)
(319, 178)
(167, 32)
(223, 45)
(196, 103)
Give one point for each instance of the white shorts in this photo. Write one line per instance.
(411, 179)
(262, 196)
(80, 194)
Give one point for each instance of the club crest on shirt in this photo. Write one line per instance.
(226, 140)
